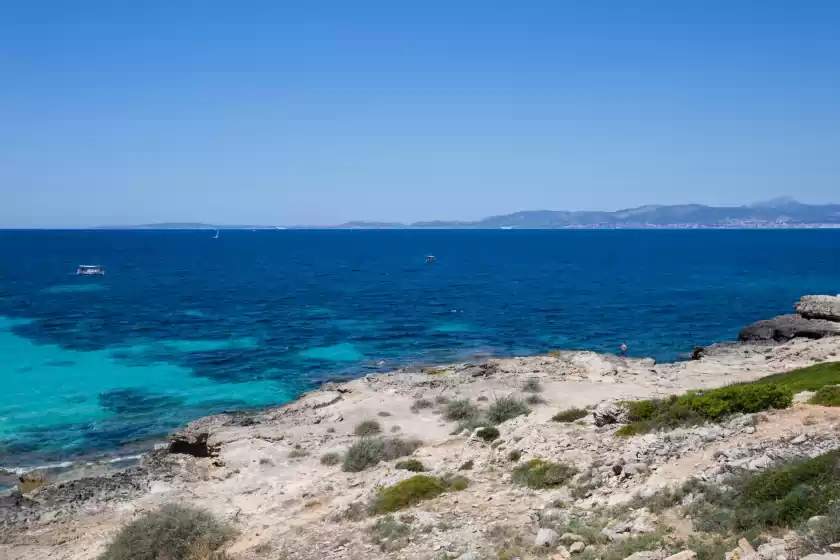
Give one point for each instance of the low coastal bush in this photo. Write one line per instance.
(330, 459)
(468, 466)
(697, 407)
(412, 465)
(412, 491)
(539, 473)
(367, 452)
(462, 409)
(532, 385)
(173, 531)
(514, 455)
(362, 455)
(389, 534)
(420, 404)
(367, 428)
(811, 378)
(488, 433)
(506, 408)
(570, 415)
(827, 396)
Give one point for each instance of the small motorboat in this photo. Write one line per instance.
(90, 270)
(431, 259)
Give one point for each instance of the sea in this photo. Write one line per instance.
(183, 325)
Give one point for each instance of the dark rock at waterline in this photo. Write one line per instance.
(195, 438)
(787, 327)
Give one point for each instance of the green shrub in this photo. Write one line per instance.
(697, 407)
(506, 408)
(468, 466)
(539, 473)
(827, 396)
(173, 531)
(817, 537)
(389, 534)
(532, 385)
(470, 424)
(811, 378)
(363, 454)
(412, 491)
(462, 409)
(514, 455)
(330, 459)
(441, 399)
(412, 465)
(368, 428)
(570, 415)
(488, 434)
(455, 482)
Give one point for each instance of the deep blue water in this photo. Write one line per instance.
(183, 325)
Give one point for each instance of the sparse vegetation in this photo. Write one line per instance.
(539, 473)
(482, 398)
(460, 410)
(412, 465)
(383, 414)
(173, 531)
(420, 404)
(441, 399)
(367, 428)
(532, 385)
(506, 408)
(367, 452)
(827, 396)
(812, 378)
(570, 415)
(413, 490)
(514, 455)
(468, 466)
(822, 533)
(297, 454)
(697, 407)
(330, 459)
(488, 433)
(389, 534)
(534, 400)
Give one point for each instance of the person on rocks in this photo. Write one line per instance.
(623, 350)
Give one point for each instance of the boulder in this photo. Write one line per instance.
(684, 555)
(546, 538)
(609, 412)
(577, 547)
(787, 327)
(647, 555)
(821, 557)
(819, 307)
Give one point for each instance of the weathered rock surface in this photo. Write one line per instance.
(819, 307)
(787, 327)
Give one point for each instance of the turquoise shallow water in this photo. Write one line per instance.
(183, 325)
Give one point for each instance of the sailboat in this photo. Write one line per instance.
(217, 234)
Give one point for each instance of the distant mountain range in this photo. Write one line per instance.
(777, 213)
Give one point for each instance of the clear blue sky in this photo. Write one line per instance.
(316, 112)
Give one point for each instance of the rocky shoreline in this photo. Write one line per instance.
(262, 470)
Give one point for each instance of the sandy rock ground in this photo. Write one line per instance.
(266, 478)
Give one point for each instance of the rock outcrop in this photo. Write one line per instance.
(816, 317)
(787, 327)
(819, 307)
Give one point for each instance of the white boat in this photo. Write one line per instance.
(90, 270)
(431, 259)
(217, 235)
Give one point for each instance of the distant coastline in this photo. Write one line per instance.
(783, 213)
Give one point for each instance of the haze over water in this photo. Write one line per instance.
(183, 325)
